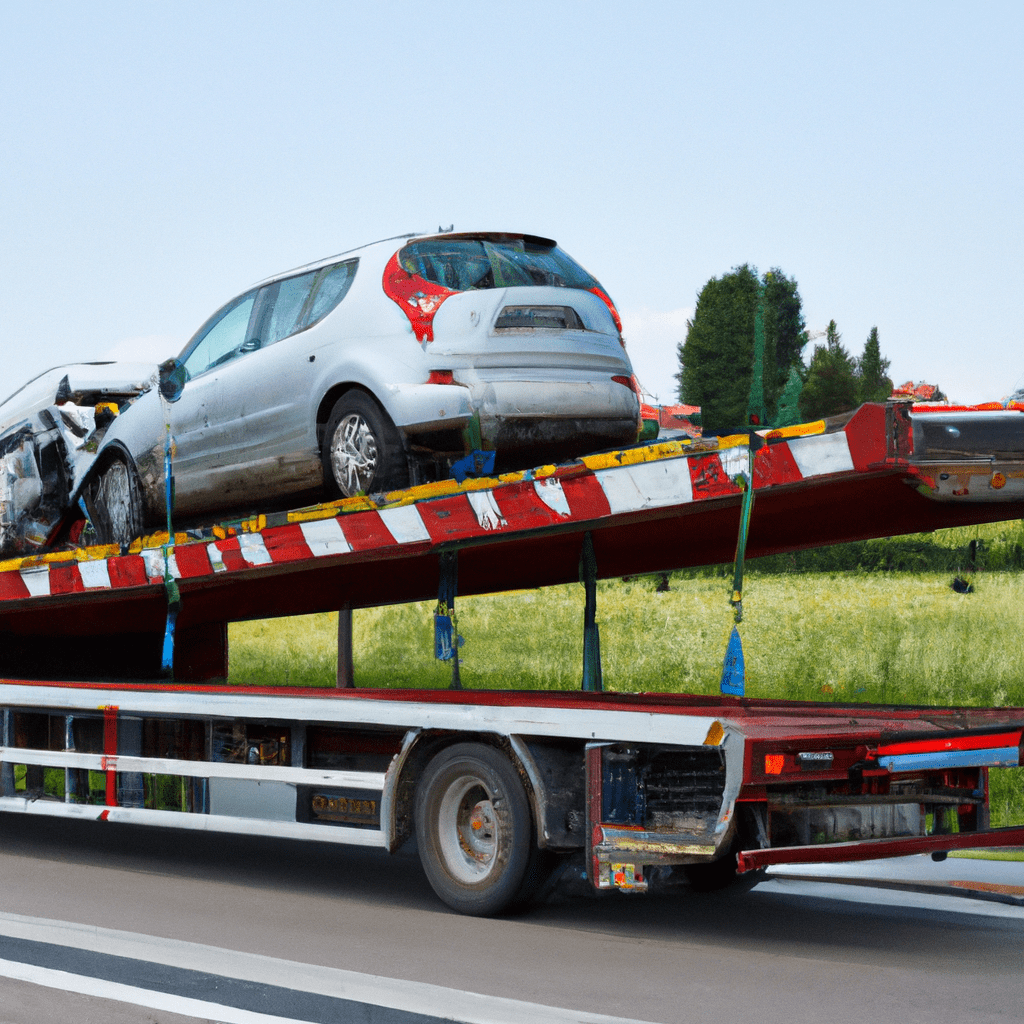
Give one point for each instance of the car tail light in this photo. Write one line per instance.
(559, 318)
(417, 297)
(630, 382)
(606, 299)
(441, 377)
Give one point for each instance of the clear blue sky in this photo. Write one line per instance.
(158, 158)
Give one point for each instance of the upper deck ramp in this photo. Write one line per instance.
(664, 506)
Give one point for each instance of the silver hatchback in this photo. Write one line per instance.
(372, 370)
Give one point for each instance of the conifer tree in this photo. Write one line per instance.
(832, 386)
(716, 359)
(872, 371)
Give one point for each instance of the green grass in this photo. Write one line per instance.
(1017, 855)
(886, 638)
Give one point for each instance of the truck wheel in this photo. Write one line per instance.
(474, 830)
(117, 505)
(362, 449)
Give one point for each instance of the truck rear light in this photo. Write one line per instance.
(441, 377)
(773, 763)
(519, 318)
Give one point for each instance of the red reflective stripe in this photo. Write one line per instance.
(12, 586)
(585, 497)
(522, 508)
(110, 750)
(449, 518)
(192, 560)
(774, 464)
(65, 578)
(286, 543)
(709, 479)
(865, 434)
(992, 740)
(127, 571)
(365, 531)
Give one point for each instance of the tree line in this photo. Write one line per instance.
(742, 358)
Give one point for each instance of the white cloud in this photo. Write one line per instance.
(652, 337)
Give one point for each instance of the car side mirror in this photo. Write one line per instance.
(172, 379)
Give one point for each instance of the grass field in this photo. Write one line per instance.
(891, 638)
(887, 638)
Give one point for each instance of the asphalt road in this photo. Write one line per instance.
(320, 933)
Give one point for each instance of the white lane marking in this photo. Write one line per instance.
(486, 510)
(95, 574)
(37, 580)
(549, 490)
(404, 524)
(646, 485)
(87, 986)
(824, 453)
(253, 550)
(411, 996)
(324, 537)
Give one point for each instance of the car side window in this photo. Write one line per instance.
(224, 339)
(332, 286)
(296, 303)
(285, 316)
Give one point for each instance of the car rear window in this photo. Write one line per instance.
(465, 264)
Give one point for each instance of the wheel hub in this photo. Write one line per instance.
(468, 831)
(354, 454)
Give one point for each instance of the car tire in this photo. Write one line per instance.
(362, 449)
(474, 831)
(117, 504)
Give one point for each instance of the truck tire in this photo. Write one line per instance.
(474, 831)
(362, 449)
(117, 504)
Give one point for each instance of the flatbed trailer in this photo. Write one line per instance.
(498, 788)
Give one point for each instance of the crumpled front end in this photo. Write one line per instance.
(41, 462)
(51, 431)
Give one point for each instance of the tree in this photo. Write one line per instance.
(716, 359)
(872, 371)
(832, 386)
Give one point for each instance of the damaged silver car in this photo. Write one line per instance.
(373, 370)
(50, 433)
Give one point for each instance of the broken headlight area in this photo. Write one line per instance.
(42, 461)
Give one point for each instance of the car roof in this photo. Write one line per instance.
(458, 235)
